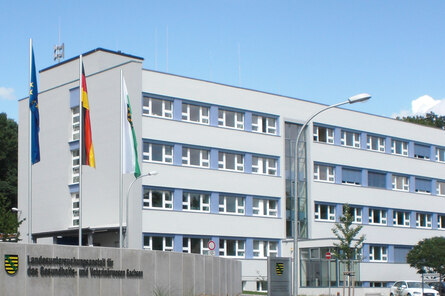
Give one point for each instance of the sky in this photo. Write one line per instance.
(319, 50)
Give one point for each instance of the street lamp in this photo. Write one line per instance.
(354, 99)
(152, 173)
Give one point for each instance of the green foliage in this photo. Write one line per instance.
(8, 158)
(430, 119)
(428, 256)
(349, 246)
(9, 222)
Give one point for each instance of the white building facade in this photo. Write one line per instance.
(226, 163)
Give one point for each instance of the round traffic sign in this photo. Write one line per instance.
(328, 255)
(211, 245)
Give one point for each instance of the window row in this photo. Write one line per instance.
(400, 218)
(196, 157)
(227, 247)
(202, 114)
(201, 202)
(376, 179)
(378, 143)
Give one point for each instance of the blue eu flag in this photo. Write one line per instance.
(34, 108)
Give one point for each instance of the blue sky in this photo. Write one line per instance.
(323, 51)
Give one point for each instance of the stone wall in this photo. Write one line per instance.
(66, 270)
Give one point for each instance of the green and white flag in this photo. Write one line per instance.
(129, 148)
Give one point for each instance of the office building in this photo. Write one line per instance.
(225, 158)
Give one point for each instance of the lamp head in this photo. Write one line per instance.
(359, 98)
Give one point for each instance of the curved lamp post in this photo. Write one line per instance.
(354, 99)
(152, 173)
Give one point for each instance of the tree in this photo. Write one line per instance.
(8, 158)
(9, 222)
(349, 247)
(430, 119)
(428, 256)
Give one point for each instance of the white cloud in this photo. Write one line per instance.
(7, 93)
(423, 105)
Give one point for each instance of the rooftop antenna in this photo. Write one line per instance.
(59, 50)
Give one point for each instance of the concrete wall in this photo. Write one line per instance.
(163, 272)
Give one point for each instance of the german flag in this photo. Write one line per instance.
(87, 141)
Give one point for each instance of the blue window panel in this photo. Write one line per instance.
(400, 253)
(364, 177)
(214, 203)
(214, 159)
(249, 205)
(422, 151)
(433, 152)
(177, 109)
(74, 188)
(377, 179)
(412, 183)
(177, 200)
(423, 185)
(249, 248)
(365, 215)
(177, 243)
(74, 145)
(215, 239)
(411, 149)
(388, 145)
(389, 181)
(412, 220)
(365, 251)
(338, 170)
(337, 136)
(177, 154)
(213, 115)
(248, 121)
(390, 253)
(74, 97)
(434, 187)
(364, 141)
(351, 176)
(434, 223)
(248, 163)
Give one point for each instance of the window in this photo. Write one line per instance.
(75, 204)
(231, 161)
(324, 212)
(375, 143)
(196, 202)
(350, 139)
(263, 124)
(158, 199)
(422, 151)
(157, 107)
(423, 186)
(356, 214)
(400, 183)
(399, 147)
(377, 180)
(231, 205)
(440, 154)
(441, 222)
(158, 243)
(158, 152)
(230, 119)
(231, 248)
(261, 286)
(400, 253)
(324, 173)
(378, 254)
(195, 245)
(377, 217)
(75, 113)
(350, 176)
(423, 220)
(195, 157)
(263, 249)
(264, 166)
(194, 113)
(401, 218)
(75, 166)
(323, 134)
(265, 207)
(440, 188)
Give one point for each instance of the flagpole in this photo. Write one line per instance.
(80, 150)
(29, 154)
(120, 169)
